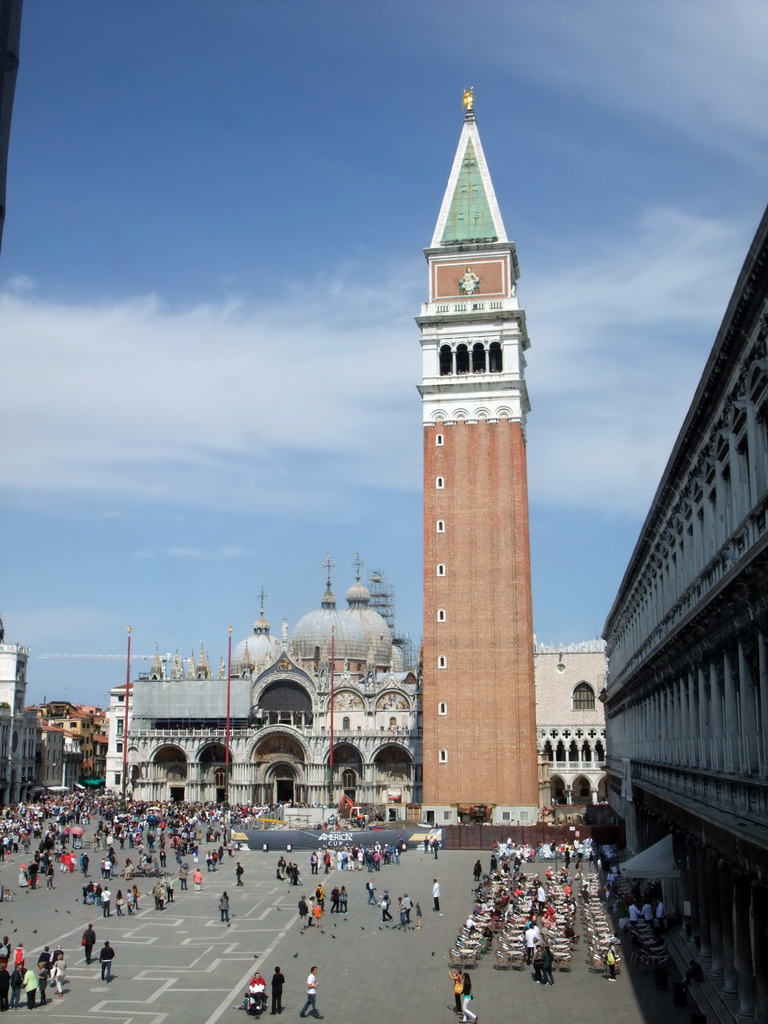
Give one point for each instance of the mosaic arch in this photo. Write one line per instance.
(213, 753)
(285, 695)
(394, 763)
(278, 746)
(173, 761)
(347, 701)
(347, 755)
(392, 701)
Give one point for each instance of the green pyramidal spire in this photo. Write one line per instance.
(469, 212)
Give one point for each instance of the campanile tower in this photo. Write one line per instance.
(479, 707)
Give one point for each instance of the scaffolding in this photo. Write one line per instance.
(382, 597)
(383, 601)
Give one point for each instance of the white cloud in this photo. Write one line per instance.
(193, 406)
(618, 345)
(20, 283)
(300, 404)
(691, 65)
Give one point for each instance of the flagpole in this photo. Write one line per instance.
(127, 705)
(229, 707)
(330, 759)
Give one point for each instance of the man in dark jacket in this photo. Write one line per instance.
(106, 956)
(304, 919)
(5, 984)
(278, 980)
(88, 942)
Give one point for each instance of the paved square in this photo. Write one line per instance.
(184, 964)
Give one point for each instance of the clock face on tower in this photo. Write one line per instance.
(470, 282)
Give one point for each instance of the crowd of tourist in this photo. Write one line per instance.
(80, 833)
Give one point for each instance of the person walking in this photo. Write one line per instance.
(224, 908)
(30, 987)
(58, 973)
(17, 979)
(305, 921)
(106, 900)
(311, 1003)
(610, 959)
(537, 963)
(106, 956)
(43, 974)
(239, 873)
(88, 941)
(335, 893)
(278, 980)
(436, 895)
(158, 892)
(418, 916)
(320, 897)
(5, 986)
(478, 871)
(466, 998)
(407, 907)
(197, 878)
(385, 914)
(547, 960)
(458, 987)
(403, 913)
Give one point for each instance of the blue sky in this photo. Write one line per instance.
(212, 261)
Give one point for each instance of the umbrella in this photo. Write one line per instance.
(77, 830)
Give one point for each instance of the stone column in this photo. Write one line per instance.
(693, 723)
(703, 897)
(742, 905)
(704, 752)
(748, 727)
(682, 735)
(715, 920)
(730, 719)
(759, 925)
(762, 663)
(692, 893)
(716, 705)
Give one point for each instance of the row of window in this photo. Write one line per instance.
(479, 359)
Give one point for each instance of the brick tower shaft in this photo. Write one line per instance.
(479, 708)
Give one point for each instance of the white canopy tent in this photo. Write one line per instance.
(654, 863)
(657, 864)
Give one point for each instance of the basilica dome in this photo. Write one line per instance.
(377, 634)
(260, 649)
(311, 635)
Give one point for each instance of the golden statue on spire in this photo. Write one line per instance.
(469, 98)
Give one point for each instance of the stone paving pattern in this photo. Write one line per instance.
(184, 964)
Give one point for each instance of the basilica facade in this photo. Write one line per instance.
(330, 711)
